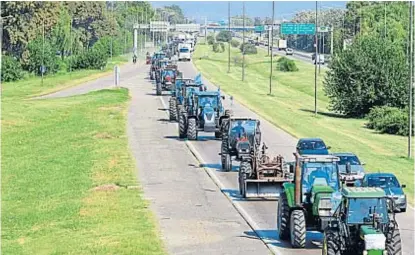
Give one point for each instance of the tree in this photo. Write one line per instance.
(61, 32)
(224, 36)
(39, 53)
(257, 21)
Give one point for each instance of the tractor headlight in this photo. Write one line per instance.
(324, 207)
(375, 242)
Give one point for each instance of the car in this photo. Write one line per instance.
(312, 146)
(350, 168)
(289, 51)
(390, 184)
(320, 59)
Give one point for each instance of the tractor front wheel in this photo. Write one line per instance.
(172, 109)
(223, 153)
(283, 217)
(158, 88)
(182, 125)
(331, 244)
(243, 170)
(393, 241)
(192, 129)
(297, 229)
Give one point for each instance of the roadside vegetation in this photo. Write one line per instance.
(291, 108)
(69, 183)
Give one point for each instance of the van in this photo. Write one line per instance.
(184, 52)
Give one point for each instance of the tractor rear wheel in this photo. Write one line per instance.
(283, 217)
(224, 152)
(218, 134)
(243, 170)
(158, 88)
(331, 245)
(192, 129)
(172, 109)
(182, 125)
(393, 241)
(297, 229)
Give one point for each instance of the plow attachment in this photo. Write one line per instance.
(262, 189)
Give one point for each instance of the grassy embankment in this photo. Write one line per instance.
(291, 107)
(66, 167)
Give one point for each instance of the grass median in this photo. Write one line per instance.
(291, 107)
(69, 181)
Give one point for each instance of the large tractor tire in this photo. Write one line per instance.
(331, 245)
(158, 89)
(172, 109)
(297, 229)
(283, 217)
(192, 129)
(225, 158)
(393, 241)
(151, 75)
(218, 134)
(244, 169)
(182, 125)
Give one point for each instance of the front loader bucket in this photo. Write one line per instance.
(262, 189)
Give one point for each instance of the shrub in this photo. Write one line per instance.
(286, 65)
(104, 45)
(247, 48)
(91, 59)
(11, 69)
(390, 120)
(210, 39)
(38, 53)
(224, 36)
(234, 43)
(218, 47)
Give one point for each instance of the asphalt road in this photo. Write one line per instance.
(264, 213)
(193, 215)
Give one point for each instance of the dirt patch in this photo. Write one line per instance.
(106, 187)
(104, 135)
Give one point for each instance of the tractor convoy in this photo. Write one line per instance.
(313, 194)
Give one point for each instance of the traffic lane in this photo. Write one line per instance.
(193, 215)
(280, 142)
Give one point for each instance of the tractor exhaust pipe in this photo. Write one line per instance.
(297, 179)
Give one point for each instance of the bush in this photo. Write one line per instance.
(104, 45)
(11, 69)
(218, 47)
(36, 52)
(247, 49)
(234, 43)
(210, 39)
(286, 65)
(371, 72)
(390, 120)
(224, 36)
(91, 59)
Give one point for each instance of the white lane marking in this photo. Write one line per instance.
(248, 219)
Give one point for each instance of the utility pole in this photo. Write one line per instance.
(42, 68)
(206, 31)
(411, 73)
(141, 22)
(229, 43)
(112, 13)
(332, 41)
(319, 48)
(70, 47)
(272, 47)
(243, 41)
(315, 65)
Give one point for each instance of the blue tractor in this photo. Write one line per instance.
(168, 75)
(204, 112)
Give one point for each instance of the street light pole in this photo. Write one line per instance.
(42, 68)
(272, 47)
(229, 43)
(243, 42)
(411, 73)
(315, 64)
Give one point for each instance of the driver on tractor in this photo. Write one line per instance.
(239, 130)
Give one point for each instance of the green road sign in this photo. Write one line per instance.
(298, 29)
(259, 29)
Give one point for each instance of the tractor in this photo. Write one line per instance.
(169, 72)
(161, 65)
(178, 93)
(155, 64)
(259, 175)
(363, 223)
(305, 204)
(203, 111)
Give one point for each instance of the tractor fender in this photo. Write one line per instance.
(221, 118)
(288, 189)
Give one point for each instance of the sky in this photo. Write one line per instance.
(216, 11)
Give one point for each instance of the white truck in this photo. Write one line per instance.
(282, 44)
(184, 51)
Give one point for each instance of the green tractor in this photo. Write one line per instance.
(363, 223)
(305, 204)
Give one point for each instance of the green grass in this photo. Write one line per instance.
(55, 153)
(291, 107)
(32, 86)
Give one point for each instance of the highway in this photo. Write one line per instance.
(197, 206)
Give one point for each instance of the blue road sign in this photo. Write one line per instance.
(298, 29)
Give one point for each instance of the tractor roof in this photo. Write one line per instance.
(208, 93)
(242, 118)
(319, 158)
(363, 192)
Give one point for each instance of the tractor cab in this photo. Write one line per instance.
(241, 133)
(363, 223)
